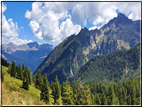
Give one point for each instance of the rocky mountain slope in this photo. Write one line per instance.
(68, 57)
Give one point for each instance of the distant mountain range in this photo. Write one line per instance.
(66, 59)
(31, 54)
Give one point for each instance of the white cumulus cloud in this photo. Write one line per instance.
(10, 30)
(50, 21)
(54, 21)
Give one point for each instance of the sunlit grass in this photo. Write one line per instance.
(13, 94)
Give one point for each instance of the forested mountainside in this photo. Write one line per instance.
(117, 66)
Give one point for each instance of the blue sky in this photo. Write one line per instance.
(52, 22)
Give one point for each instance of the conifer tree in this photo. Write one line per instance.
(19, 73)
(86, 98)
(103, 99)
(25, 80)
(9, 68)
(97, 99)
(133, 96)
(23, 67)
(67, 93)
(29, 76)
(56, 91)
(38, 83)
(113, 99)
(79, 92)
(13, 69)
(45, 90)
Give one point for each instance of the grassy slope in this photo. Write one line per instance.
(13, 94)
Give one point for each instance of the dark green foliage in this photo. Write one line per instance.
(67, 93)
(86, 98)
(25, 84)
(45, 90)
(103, 99)
(56, 90)
(121, 93)
(23, 67)
(29, 75)
(38, 83)
(113, 99)
(13, 69)
(20, 73)
(97, 99)
(4, 62)
(117, 66)
(9, 68)
(79, 92)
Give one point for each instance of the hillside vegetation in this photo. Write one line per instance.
(117, 66)
(13, 94)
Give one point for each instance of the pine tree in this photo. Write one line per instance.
(45, 90)
(133, 96)
(56, 91)
(19, 73)
(25, 80)
(13, 69)
(97, 99)
(86, 98)
(67, 93)
(79, 92)
(9, 68)
(38, 83)
(23, 67)
(29, 76)
(113, 99)
(103, 99)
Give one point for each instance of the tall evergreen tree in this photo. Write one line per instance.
(103, 99)
(23, 67)
(86, 98)
(29, 75)
(97, 99)
(25, 80)
(79, 92)
(113, 99)
(19, 73)
(13, 69)
(9, 68)
(56, 91)
(38, 83)
(45, 90)
(67, 93)
(133, 96)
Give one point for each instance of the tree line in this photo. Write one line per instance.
(95, 93)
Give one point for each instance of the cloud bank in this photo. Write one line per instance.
(54, 21)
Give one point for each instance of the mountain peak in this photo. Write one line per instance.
(33, 44)
(120, 15)
(122, 19)
(84, 29)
